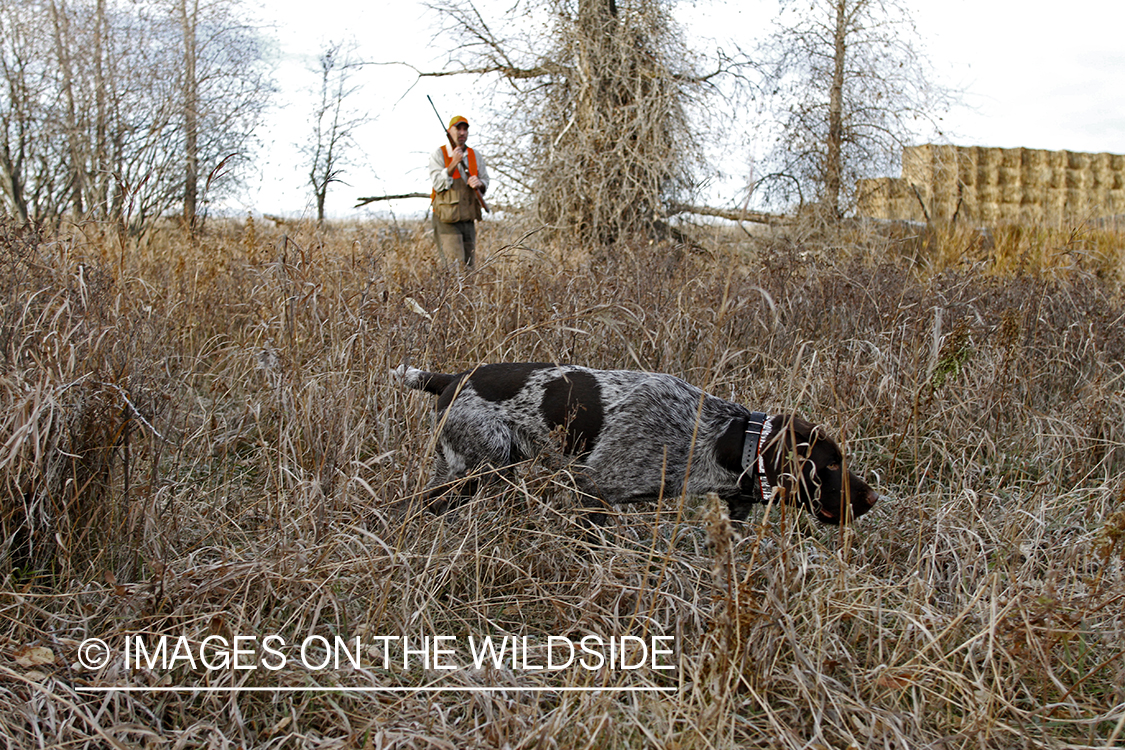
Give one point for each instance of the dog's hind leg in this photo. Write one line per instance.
(445, 489)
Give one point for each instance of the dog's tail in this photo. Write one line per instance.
(431, 382)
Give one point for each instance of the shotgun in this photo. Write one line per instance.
(464, 165)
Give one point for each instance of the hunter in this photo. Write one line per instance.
(457, 197)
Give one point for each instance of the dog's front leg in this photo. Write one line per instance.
(448, 487)
(445, 496)
(739, 507)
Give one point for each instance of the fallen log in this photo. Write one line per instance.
(758, 217)
(364, 201)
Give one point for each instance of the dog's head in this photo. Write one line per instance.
(809, 467)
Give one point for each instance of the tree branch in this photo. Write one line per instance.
(365, 201)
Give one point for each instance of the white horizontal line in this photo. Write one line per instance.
(166, 689)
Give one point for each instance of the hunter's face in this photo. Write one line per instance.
(460, 133)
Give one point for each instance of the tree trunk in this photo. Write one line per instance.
(833, 167)
(13, 168)
(103, 170)
(188, 18)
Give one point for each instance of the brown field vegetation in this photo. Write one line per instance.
(199, 437)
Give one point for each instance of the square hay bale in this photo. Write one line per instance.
(994, 184)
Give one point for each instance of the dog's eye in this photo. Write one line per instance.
(834, 467)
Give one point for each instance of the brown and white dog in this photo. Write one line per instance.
(635, 436)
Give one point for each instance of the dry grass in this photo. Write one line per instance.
(201, 439)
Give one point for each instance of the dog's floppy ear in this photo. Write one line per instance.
(797, 434)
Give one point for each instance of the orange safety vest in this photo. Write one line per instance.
(472, 156)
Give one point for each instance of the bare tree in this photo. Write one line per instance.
(31, 166)
(852, 87)
(94, 115)
(223, 93)
(333, 122)
(599, 130)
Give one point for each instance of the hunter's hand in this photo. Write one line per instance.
(475, 182)
(457, 156)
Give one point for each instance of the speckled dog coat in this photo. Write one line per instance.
(633, 436)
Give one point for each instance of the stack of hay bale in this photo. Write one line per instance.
(996, 185)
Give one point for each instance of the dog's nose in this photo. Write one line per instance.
(863, 502)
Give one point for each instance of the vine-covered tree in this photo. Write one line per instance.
(601, 127)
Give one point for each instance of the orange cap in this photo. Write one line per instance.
(457, 121)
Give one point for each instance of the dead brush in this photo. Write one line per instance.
(977, 606)
(80, 401)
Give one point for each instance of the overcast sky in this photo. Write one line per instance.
(1035, 74)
